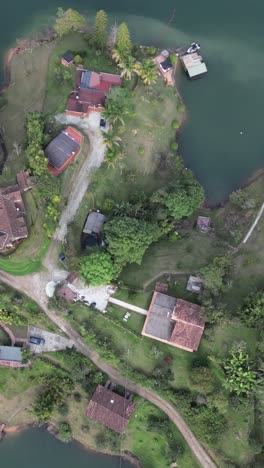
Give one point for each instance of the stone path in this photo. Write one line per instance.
(128, 306)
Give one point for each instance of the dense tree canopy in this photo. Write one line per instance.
(97, 268)
(128, 238)
(100, 31)
(252, 312)
(69, 20)
(34, 134)
(240, 377)
(184, 200)
(147, 71)
(214, 274)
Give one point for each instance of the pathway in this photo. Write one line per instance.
(94, 159)
(165, 272)
(128, 306)
(25, 284)
(254, 224)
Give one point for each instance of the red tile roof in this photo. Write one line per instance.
(189, 326)
(12, 222)
(111, 409)
(94, 95)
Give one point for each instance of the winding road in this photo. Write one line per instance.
(27, 283)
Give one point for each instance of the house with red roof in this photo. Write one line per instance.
(174, 321)
(63, 149)
(90, 92)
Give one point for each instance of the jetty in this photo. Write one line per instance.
(2, 430)
(192, 61)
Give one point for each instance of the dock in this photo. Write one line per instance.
(192, 62)
(2, 430)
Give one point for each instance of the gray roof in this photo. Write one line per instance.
(10, 353)
(61, 149)
(159, 323)
(94, 223)
(85, 80)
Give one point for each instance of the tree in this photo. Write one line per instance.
(128, 238)
(113, 155)
(100, 32)
(147, 71)
(111, 139)
(214, 275)
(184, 201)
(128, 67)
(97, 268)
(124, 44)
(240, 199)
(69, 20)
(252, 311)
(34, 134)
(118, 105)
(241, 379)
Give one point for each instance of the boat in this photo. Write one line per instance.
(193, 48)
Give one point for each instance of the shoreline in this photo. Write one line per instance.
(37, 43)
(51, 429)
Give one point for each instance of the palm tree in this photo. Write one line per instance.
(113, 156)
(128, 67)
(17, 148)
(117, 55)
(110, 139)
(147, 71)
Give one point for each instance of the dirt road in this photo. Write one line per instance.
(93, 161)
(26, 285)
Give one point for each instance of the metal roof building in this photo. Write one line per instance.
(10, 353)
(94, 223)
(193, 64)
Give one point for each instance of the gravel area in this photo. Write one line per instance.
(53, 341)
(94, 159)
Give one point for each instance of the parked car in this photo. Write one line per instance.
(62, 257)
(36, 340)
(102, 123)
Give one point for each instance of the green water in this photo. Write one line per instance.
(226, 102)
(37, 448)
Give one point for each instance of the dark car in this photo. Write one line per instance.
(36, 340)
(62, 257)
(102, 123)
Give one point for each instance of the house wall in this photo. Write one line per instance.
(66, 64)
(10, 364)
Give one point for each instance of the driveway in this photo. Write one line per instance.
(90, 126)
(53, 341)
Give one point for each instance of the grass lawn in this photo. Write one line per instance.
(188, 254)
(151, 447)
(25, 94)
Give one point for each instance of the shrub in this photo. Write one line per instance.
(180, 107)
(175, 124)
(174, 146)
(65, 431)
(78, 59)
(141, 150)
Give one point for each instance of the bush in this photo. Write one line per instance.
(65, 431)
(175, 124)
(78, 59)
(174, 146)
(180, 107)
(141, 150)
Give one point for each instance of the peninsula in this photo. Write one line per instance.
(131, 313)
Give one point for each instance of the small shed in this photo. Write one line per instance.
(194, 284)
(10, 356)
(67, 58)
(203, 223)
(94, 223)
